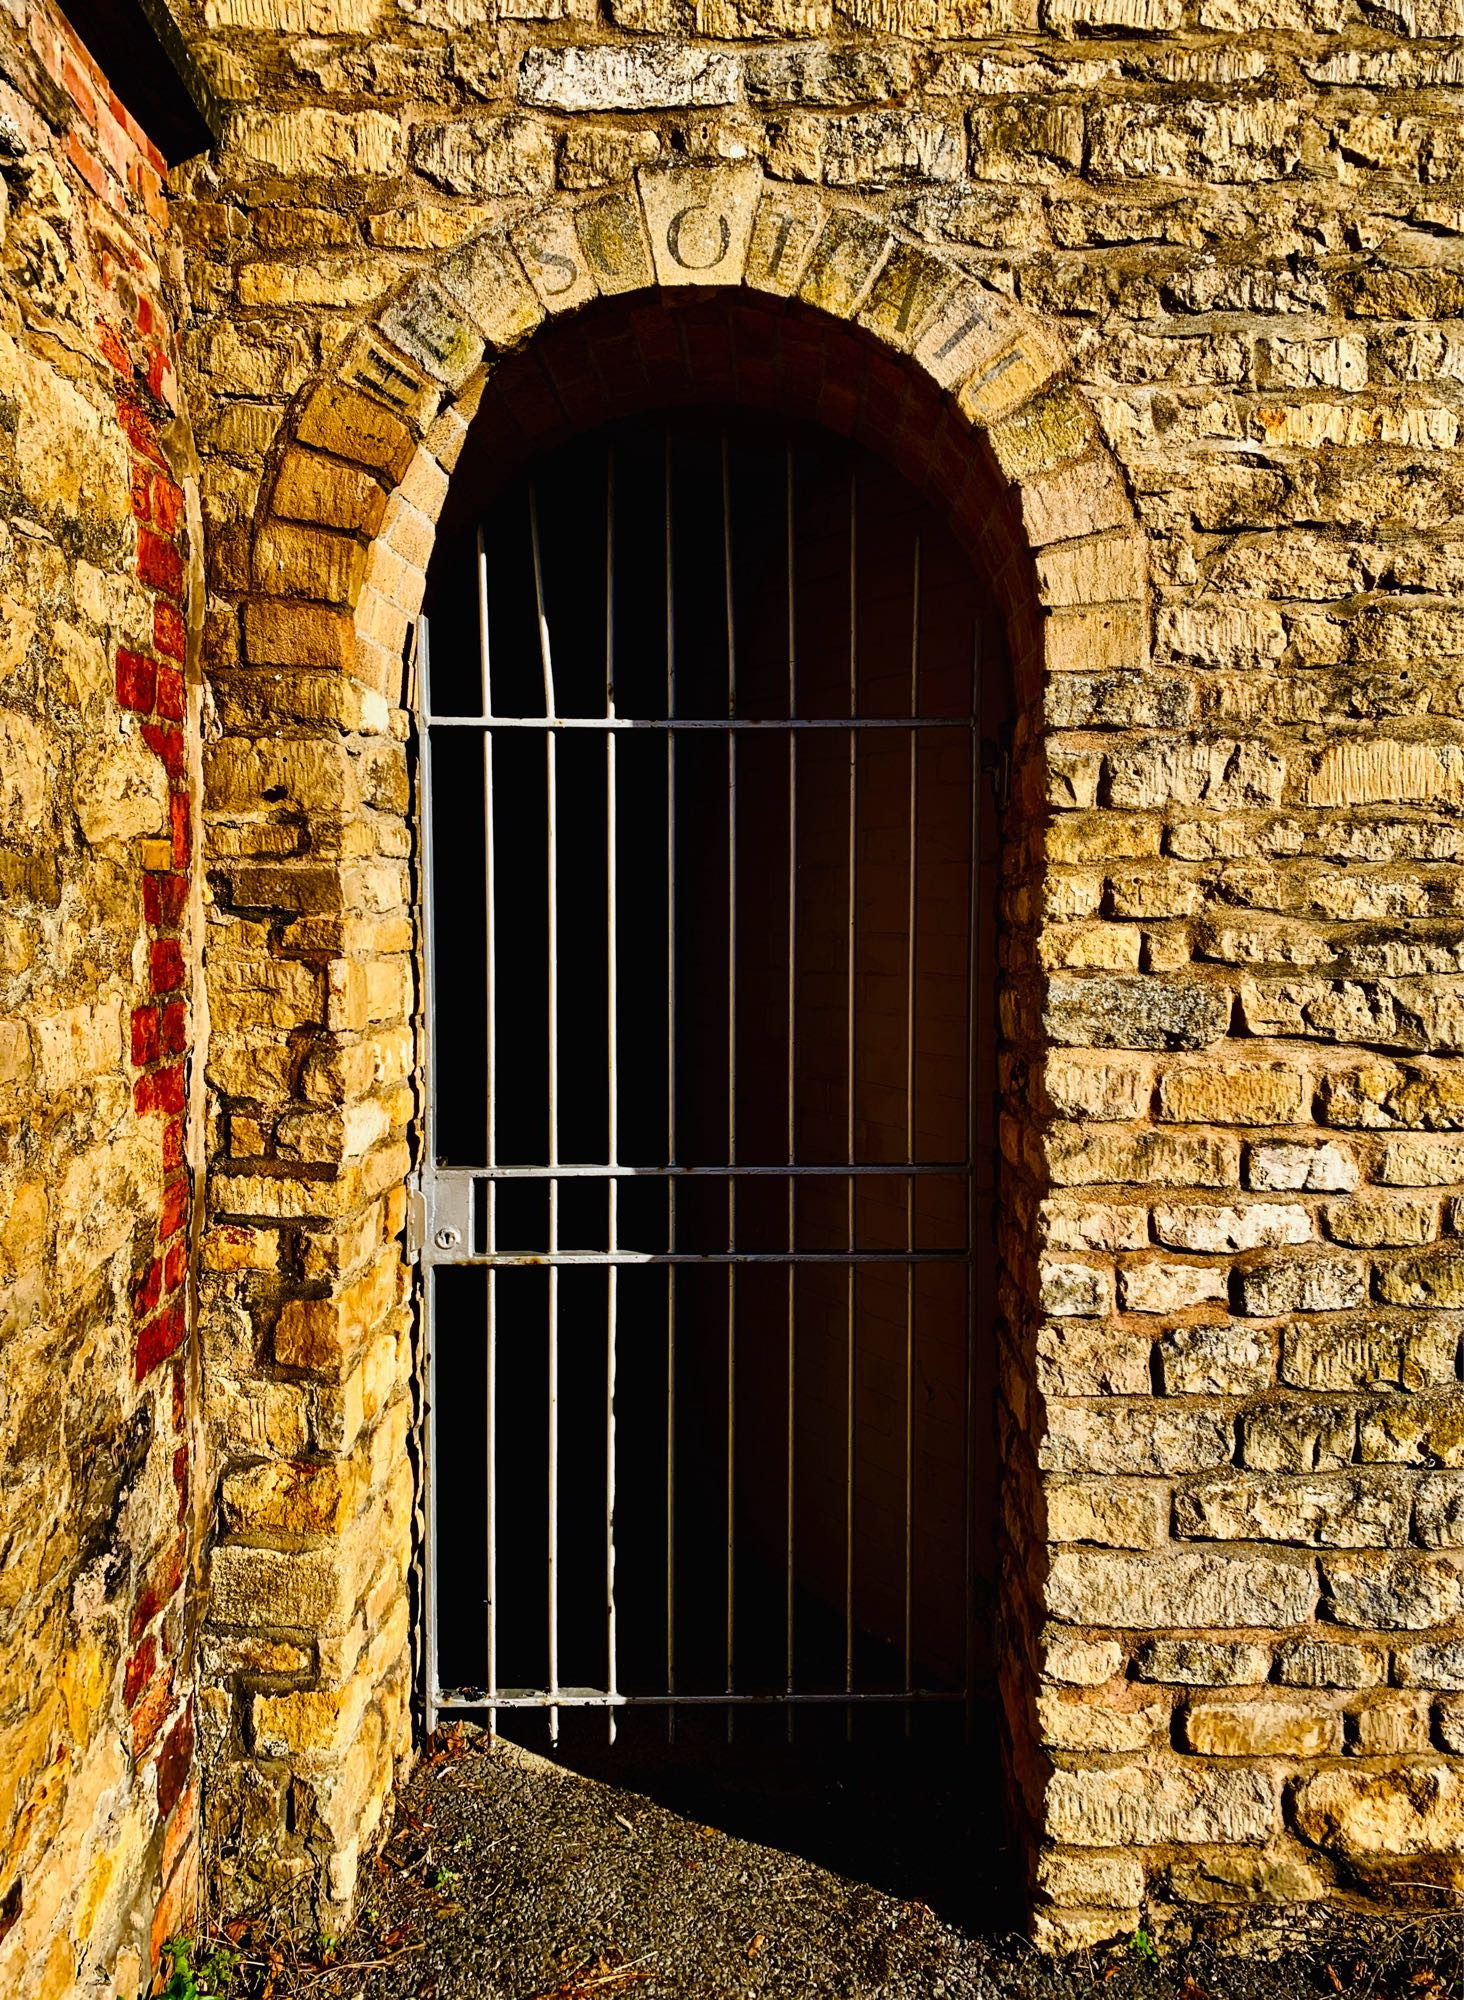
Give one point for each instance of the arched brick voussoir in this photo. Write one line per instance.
(345, 524)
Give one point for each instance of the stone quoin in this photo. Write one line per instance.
(1159, 306)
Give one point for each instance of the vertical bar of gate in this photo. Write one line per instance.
(850, 1299)
(730, 1609)
(974, 872)
(490, 1153)
(551, 809)
(913, 828)
(670, 1098)
(612, 1084)
(792, 1064)
(431, 1689)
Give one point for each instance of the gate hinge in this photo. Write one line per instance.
(412, 692)
(416, 1225)
(996, 764)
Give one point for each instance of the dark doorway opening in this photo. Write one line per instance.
(710, 888)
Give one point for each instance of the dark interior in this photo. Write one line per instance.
(805, 579)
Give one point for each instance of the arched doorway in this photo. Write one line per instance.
(710, 869)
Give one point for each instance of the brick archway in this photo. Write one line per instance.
(306, 1294)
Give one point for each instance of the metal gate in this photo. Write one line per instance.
(708, 996)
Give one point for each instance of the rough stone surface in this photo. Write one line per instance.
(1190, 273)
(100, 1502)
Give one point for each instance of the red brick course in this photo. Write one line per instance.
(122, 173)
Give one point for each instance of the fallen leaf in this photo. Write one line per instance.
(755, 1946)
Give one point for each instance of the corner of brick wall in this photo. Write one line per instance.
(99, 1844)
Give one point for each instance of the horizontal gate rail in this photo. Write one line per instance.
(466, 1701)
(725, 725)
(608, 1259)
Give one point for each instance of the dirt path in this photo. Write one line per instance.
(511, 1878)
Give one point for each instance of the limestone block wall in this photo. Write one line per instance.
(1208, 343)
(98, 1805)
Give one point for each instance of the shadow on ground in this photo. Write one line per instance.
(511, 1877)
(918, 1819)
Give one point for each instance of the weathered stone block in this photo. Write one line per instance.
(292, 1498)
(1339, 1510)
(1105, 1881)
(1393, 1593)
(1090, 1358)
(327, 1334)
(1270, 1728)
(1079, 1662)
(309, 1590)
(1368, 1353)
(1229, 1360)
(1381, 1095)
(1171, 1288)
(1143, 1012)
(1113, 1722)
(1392, 1725)
(1193, 772)
(605, 78)
(489, 156)
(1439, 1521)
(1129, 1514)
(1416, 1809)
(1260, 1225)
(1370, 1224)
(1182, 1590)
(1140, 1438)
(1315, 1283)
(1231, 1094)
(1424, 1430)
(1153, 1804)
(1102, 1087)
(1294, 1436)
(320, 142)
(1438, 1665)
(1297, 1166)
(1203, 1662)
(1327, 1663)
(1068, 1289)
(1079, 1156)
(1434, 1280)
(1422, 1162)
(1244, 1876)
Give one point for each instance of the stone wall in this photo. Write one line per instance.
(1187, 263)
(98, 1819)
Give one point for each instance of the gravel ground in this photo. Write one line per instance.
(509, 1877)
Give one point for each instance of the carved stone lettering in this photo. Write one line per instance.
(783, 235)
(906, 293)
(845, 258)
(970, 329)
(700, 222)
(486, 280)
(378, 373)
(612, 235)
(553, 260)
(696, 229)
(1002, 382)
(426, 325)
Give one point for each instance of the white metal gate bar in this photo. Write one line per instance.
(463, 1225)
